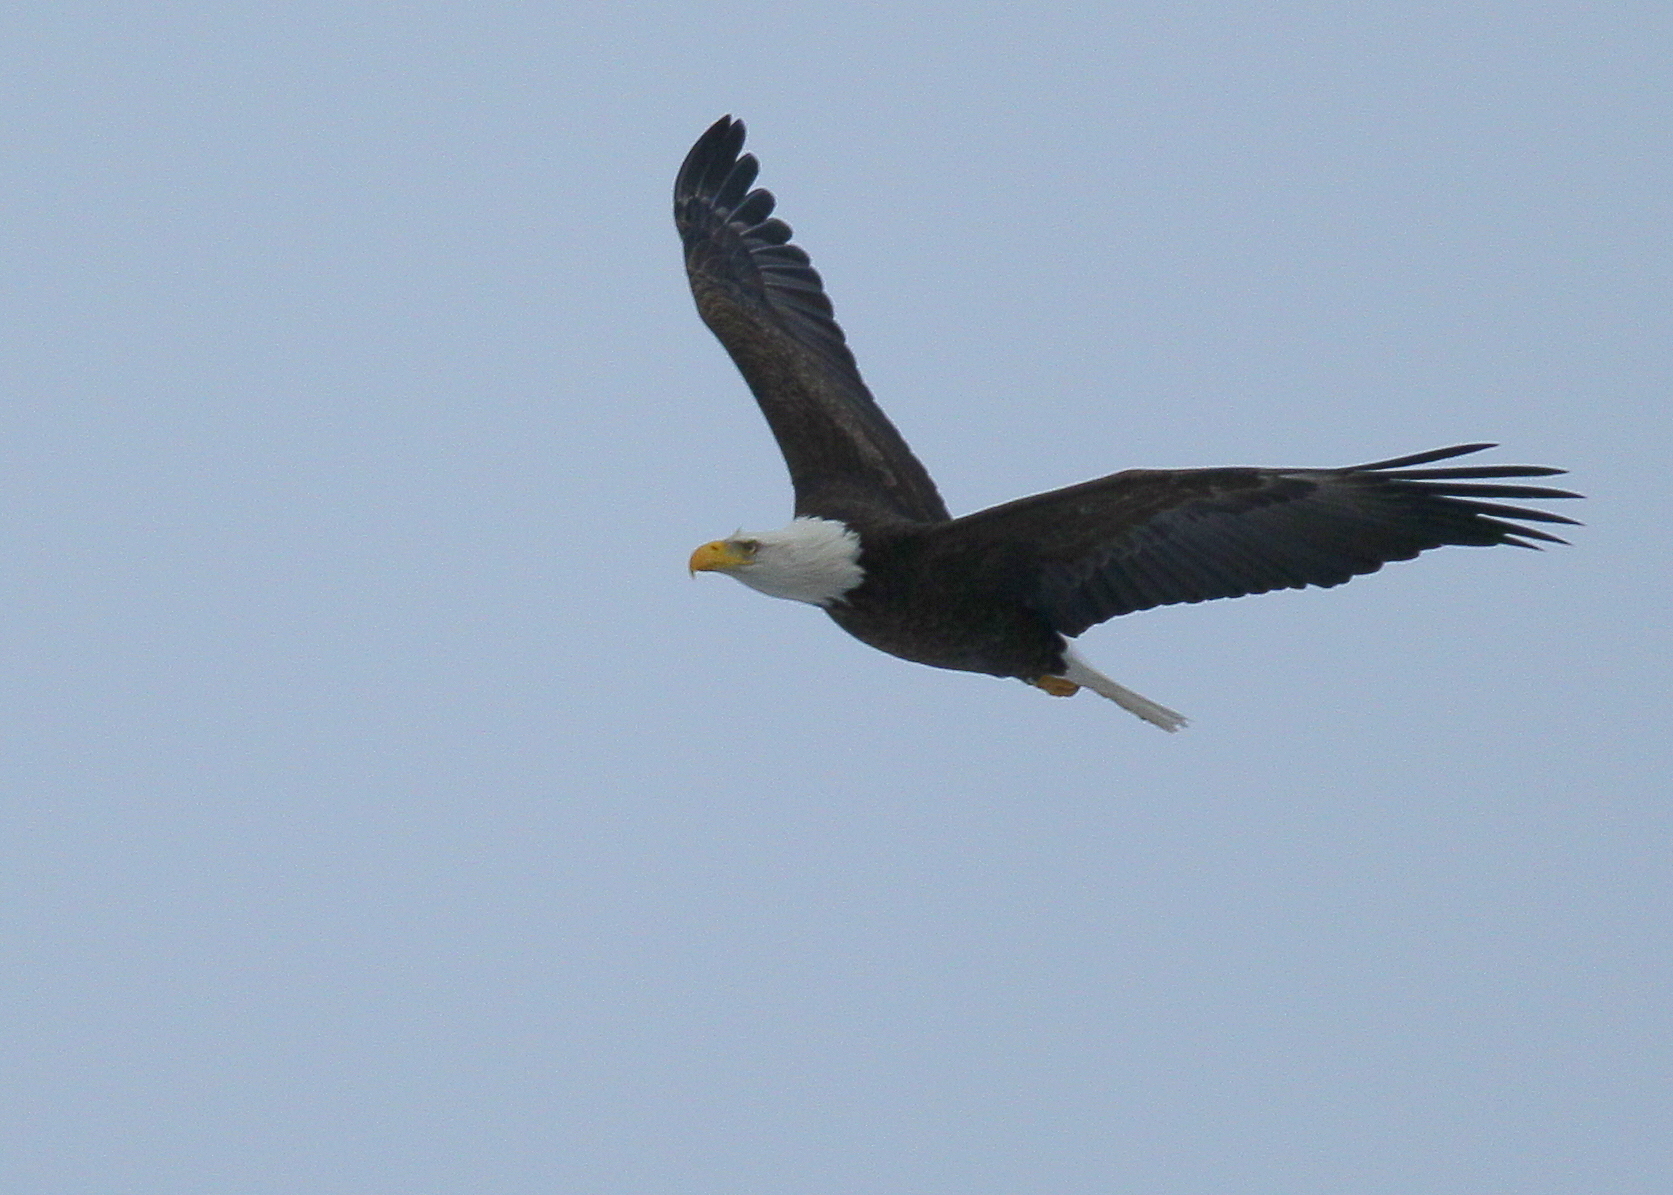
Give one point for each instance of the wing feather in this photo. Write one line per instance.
(1148, 538)
(761, 297)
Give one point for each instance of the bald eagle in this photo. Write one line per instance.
(1003, 590)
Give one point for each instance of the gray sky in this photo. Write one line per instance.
(386, 811)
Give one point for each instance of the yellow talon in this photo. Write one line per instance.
(1057, 686)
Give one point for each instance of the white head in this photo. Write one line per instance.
(812, 560)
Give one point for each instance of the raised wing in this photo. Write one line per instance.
(1148, 538)
(765, 303)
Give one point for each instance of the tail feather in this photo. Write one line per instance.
(1081, 673)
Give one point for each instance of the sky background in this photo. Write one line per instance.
(385, 811)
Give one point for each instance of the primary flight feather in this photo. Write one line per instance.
(1001, 591)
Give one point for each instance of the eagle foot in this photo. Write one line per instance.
(1057, 686)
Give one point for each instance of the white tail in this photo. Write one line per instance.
(1082, 673)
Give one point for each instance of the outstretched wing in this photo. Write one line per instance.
(761, 298)
(1148, 538)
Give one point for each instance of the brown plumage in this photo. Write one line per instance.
(997, 591)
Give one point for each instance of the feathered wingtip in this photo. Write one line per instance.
(1454, 482)
(714, 153)
(714, 184)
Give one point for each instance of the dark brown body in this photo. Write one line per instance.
(949, 603)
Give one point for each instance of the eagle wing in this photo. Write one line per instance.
(1146, 538)
(758, 295)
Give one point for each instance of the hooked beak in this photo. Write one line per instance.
(717, 556)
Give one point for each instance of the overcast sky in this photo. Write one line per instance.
(387, 812)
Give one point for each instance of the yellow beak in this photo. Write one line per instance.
(717, 556)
